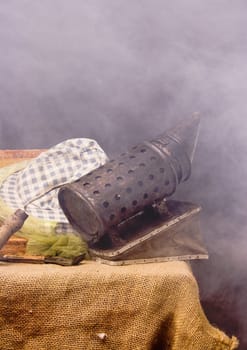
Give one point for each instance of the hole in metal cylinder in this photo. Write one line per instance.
(106, 204)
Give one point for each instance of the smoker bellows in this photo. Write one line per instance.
(133, 181)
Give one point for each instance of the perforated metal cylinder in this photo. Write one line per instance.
(125, 185)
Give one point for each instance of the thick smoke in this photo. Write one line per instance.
(122, 72)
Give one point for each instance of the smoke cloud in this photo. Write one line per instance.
(124, 71)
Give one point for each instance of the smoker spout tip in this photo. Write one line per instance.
(186, 133)
(195, 129)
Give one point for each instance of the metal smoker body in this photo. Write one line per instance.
(133, 181)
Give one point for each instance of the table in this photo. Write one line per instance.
(94, 306)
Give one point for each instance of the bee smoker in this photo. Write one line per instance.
(127, 189)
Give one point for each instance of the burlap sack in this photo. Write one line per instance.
(93, 306)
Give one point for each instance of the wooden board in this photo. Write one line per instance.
(15, 245)
(16, 155)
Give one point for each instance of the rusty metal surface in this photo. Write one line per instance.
(128, 184)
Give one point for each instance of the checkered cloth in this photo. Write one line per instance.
(35, 188)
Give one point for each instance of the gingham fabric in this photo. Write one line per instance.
(35, 188)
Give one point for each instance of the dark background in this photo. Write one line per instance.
(123, 71)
